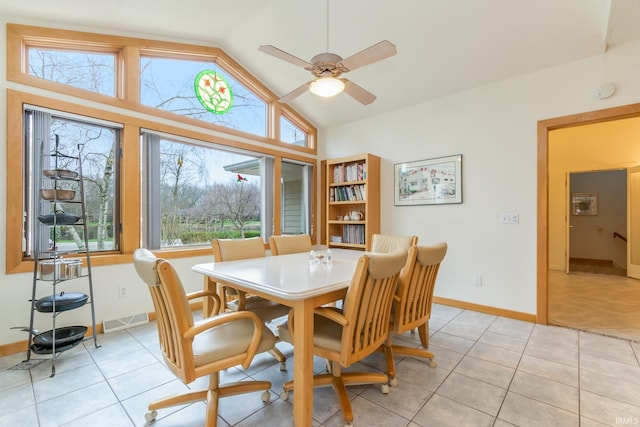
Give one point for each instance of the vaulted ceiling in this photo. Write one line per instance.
(444, 46)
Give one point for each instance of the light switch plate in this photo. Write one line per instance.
(509, 218)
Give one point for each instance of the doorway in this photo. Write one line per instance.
(597, 222)
(605, 139)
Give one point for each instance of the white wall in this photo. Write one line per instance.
(493, 127)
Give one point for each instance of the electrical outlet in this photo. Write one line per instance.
(122, 292)
(509, 218)
(477, 280)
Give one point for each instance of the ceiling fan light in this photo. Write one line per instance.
(326, 86)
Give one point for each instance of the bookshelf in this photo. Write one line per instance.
(353, 201)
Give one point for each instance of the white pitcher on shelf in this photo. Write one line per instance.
(356, 215)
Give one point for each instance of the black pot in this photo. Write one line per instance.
(64, 301)
(60, 218)
(65, 336)
(38, 349)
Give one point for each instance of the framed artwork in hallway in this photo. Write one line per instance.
(584, 203)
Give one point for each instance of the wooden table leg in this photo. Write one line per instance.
(209, 285)
(303, 363)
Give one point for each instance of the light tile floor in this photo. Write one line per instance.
(600, 303)
(492, 371)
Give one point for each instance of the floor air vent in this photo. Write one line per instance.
(125, 322)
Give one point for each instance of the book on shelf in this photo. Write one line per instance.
(353, 234)
(350, 172)
(347, 193)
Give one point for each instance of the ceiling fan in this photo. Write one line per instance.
(327, 67)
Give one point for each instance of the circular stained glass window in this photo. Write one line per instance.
(213, 92)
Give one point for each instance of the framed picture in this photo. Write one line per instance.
(584, 203)
(429, 182)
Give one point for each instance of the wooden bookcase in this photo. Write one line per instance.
(352, 184)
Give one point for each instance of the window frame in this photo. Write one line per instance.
(125, 110)
(128, 51)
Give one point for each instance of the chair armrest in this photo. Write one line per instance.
(211, 322)
(206, 294)
(332, 314)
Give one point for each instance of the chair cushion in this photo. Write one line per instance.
(327, 334)
(234, 249)
(290, 244)
(228, 340)
(385, 244)
(265, 309)
(383, 263)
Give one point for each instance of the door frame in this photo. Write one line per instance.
(542, 250)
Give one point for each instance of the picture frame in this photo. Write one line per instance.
(435, 181)
(584, 204)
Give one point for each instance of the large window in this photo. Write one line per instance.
(92, 71)
(48, 132)
(168, 84)
(195, 193)
(291, 133)
(296, 189)
(160, 168)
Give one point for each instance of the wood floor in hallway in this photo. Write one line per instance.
(599, 303)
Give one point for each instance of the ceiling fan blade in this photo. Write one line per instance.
(281, 54)
(372, 54)
(295, 93)
(360, 94)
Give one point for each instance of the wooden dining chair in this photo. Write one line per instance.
(348, 335)
(235, 300)
(412, 302)
(193, 349)
(289, 244)
(383, 243)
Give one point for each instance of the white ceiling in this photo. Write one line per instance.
(444, 46)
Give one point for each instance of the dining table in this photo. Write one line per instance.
(302, 281)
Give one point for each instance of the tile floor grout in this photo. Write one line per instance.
(492, 371)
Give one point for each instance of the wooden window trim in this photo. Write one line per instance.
(128, 76)
(119, 109)
(130, 203)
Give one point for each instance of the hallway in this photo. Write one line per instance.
(599, 303)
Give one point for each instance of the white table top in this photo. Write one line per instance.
(290, 277)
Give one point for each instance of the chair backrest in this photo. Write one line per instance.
(173, 312)
(367, 305)
(234, 249)
(384, 244)
(289, 244)
(412, 306)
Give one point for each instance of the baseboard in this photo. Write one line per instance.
(592, 261)
(21, 346)
(516, 315)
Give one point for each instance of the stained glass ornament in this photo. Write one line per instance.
(213, 92)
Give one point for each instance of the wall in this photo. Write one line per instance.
(592, 235)
(493, 127)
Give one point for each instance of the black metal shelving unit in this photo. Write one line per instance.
(61, 187)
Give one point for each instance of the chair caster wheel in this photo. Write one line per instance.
(284, 395)
(151, 416)
(432, 363)
(283, 366)
(393, 382)
(384, 388)
(266, 396)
